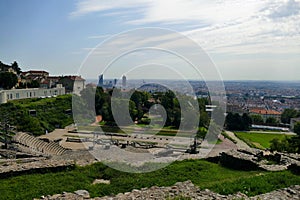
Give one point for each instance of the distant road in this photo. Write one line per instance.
(270, 132)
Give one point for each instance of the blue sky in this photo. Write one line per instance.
(250, 39)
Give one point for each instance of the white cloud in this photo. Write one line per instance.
(85, 7)
(172, 11)
(254, 35)
(234, 26)
(229, 27)
(284, 9)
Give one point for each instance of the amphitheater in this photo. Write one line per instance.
(30, 144)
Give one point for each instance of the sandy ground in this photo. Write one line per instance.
(63, 134)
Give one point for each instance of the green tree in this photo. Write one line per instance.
(201, 133)
(31, 125)
(33, 84)
(279, 145)
(234, 122)
(8, 80)
(204, 119)
(16, 67)
(247, 121)
(271, 121)
(297, 128)
(257, 119)
(287, 115)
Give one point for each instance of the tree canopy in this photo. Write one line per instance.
(288, 114)
(235, 122)
(8, 80)
(297, 128)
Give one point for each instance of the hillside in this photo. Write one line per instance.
(38, 116)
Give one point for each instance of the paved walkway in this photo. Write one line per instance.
(270, 132)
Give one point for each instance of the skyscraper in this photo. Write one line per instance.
(123, 81)
(100, 82)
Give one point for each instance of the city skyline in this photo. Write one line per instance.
(259, 41)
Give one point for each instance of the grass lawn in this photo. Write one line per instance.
(200, 172)
(259, 140)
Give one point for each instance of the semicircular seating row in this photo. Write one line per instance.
(26, 142)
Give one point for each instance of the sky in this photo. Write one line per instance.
(245, 39)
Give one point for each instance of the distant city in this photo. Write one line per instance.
(264, 98)
(256, 97)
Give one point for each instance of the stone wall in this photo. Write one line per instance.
(253, 159)
(237, 160)
(35, 165)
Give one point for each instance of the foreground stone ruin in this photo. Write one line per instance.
(181, 189)
(32, 155)
(30, 144)
(252, 159)
(43, 156)
(33, 165)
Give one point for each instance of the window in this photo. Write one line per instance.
(17, 95)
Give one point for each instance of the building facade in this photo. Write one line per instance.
(14, 94)
(293, 122)
(265, 114)
(73, 84)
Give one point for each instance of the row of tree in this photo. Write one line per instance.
(236, 122)
(179, 109)
(244, 122)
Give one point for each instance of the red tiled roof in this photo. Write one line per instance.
(264, 111)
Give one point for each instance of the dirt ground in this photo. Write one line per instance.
(207, 149)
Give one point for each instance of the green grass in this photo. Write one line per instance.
(259, 140)
(200, 172)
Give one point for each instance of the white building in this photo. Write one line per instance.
(13, 94)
